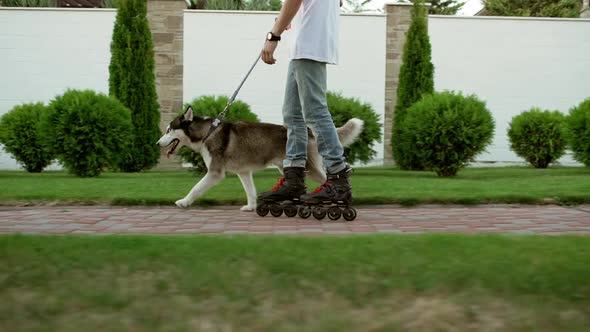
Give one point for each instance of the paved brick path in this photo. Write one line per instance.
(229, 220)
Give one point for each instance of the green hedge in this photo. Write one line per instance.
(578, 131)
(344, 109)
(538, 136)
(89, 132)
(447, 130)
(20, 134)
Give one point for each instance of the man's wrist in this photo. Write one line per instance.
(272, 37)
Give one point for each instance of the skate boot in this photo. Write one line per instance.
(333, 198)
(284, 196)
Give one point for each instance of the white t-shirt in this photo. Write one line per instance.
(315, 30)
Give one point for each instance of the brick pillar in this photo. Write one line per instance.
(398, 24)
(585, 9)
(166, 24)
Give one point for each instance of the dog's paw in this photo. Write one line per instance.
(182, 203)
(248, 208)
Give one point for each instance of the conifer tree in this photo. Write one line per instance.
(415, 79)
(535, 8)
(443, 7)
(132, 81)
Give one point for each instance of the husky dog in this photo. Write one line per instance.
(242, 147)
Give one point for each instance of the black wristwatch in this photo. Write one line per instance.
(272, 37)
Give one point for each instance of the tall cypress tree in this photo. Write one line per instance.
(132, 81)
(415, 79)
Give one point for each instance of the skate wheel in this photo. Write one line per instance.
(334, 213)
(262, 209)
(319, 213)
(290, 211)
(276, 210)
(349, 214)
(304, 211)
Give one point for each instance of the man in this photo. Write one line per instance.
(315, 34)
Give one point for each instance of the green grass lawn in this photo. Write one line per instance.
(363, 283)
(565, 185)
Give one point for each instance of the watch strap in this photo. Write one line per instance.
(272, 37)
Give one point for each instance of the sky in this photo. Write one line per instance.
(471, 6)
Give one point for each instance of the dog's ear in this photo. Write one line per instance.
(188, 114)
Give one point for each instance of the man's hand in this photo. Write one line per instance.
(268, 52)
(288, 11)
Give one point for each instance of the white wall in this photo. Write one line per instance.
(513, 64)
(220, 47)
(45, 51)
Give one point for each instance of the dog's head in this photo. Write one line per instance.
(178, 132)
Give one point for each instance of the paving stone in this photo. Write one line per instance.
(44, 227)
(338, 232)
(213, 226)
(186, 230)
(455, 226)
(485, 229)
(230, 232)
(523, 222)
(547, 220)
(389, 231)
(522, 231)
(139, 229)
(119, 226)
(107, 223)
(284, 231)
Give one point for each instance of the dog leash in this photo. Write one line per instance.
(221, 115)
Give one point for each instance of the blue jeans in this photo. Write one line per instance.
(305, 104)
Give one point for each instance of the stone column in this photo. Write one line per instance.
(398, 24)
(585, 9)
(166, 24)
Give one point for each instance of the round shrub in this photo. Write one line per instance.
(448, 130)
(89, 132)
(344, 109)
(578, 132)
(538, 137)
(211, 106)
(20, 134)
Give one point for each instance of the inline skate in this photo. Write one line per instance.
(333, 198)
(285, 195)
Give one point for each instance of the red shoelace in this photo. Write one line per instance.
(321, 187)
(278, 185)
(280, 182)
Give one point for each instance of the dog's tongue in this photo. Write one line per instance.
(172, 149)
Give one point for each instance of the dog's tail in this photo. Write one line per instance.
(350, 131)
